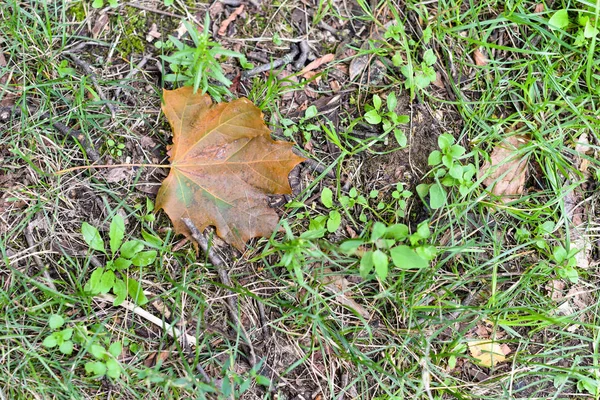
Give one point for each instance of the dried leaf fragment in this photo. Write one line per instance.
(317, 63)
(224, 164)
(229, 20)
(507, 170)
(488, 353)
(479, 58)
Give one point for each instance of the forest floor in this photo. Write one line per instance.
(440, 241)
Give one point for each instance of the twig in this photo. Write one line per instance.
(218, 263)
(263, 320)
(131, 73)
(75, 134)
(154, 10)
(288, 58)
(303, 56)
(88, 70)
(170, 329)
(31, 243)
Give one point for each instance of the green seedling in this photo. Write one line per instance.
(61, 338)
(198, 65)
(290, 128)
(565, 263)
(448, 172)
(387, 117)
(106, 363)
(115, 149)
(407, 251)
(121, 256)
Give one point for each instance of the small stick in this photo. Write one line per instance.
(131, 73)
(31, 243)
(77, 135)
(288, 58)
(218, 262)
(170, 329)
(304, 50)
(88, 70)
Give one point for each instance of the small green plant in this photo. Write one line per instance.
(417, 75)
(61, 338)
(100, 3)
(197, 65)
(538, 236)
(389, 120)
(389, 242)
(115, 149)
(334, 219)
(587, 25)
(122, 255)
(106, 363)
(290, 128)
(565, 263)
(448, 172)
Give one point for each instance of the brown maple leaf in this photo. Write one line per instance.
(223, 165)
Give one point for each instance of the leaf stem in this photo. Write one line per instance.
(64, 171)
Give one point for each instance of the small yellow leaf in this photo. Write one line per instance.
(487, 352)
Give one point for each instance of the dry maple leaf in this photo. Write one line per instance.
(223, 165)
(507, 168)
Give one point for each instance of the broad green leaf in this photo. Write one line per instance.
(113, 368)
(429, 57)
(97, 368)
(373, 117)
(400, 137)
(50, 341)
(559, 20)
(93, 285)
(56, 321)
(135, 292)
(380, 262)
(151, 240)
(377, 102)
(106, 282)
(378, 231)
(311, 112)
(121, 263)
(334, 221)
(66, 334)
(116, 233)
(115, 349)
(120, 291)
(144, 258)
(350, 246)
(131, 248)
(92, 237)
(327, 197)
(437, 196)
(397, 231)
(97, 351)
(590, 30)
(366, 264)
(66, 347)
(97, 3)
(405, 258)
(445, 140)
(435, 158)
(391, 101)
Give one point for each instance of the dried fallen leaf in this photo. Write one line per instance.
(479, 58)
(225, 24)
(539, 8)
(100, 24)
(224, 164)
(339, 286)
(487, 353)
(156, 358)
(507, 170)
(317, 63)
